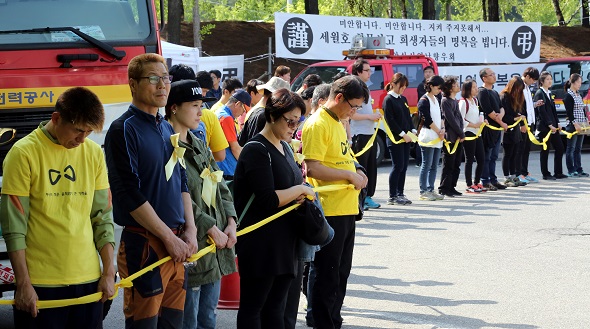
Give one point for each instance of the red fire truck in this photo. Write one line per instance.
(48, 46)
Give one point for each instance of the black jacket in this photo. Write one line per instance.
(547, 113)
(397, 114)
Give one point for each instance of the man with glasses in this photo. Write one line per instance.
(329, 161)
(362, 127)
(227, 115)
(150, 200)
(490, 105)
(56, 216)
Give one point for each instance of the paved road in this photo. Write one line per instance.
(512, 259)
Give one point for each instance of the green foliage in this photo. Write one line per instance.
(206, 30)
(462, 10)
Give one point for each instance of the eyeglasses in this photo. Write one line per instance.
(493, 73)
(7, 135)
(291, 123)
(354, 107)
(154, 79)
(367, 70)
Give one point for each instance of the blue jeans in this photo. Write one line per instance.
(488, 174)
(573, 154)
(430, 157)
(200, 306)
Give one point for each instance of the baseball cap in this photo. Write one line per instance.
(274, 84)
(242, 96)
(186, 91)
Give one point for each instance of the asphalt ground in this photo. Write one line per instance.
(511, 259)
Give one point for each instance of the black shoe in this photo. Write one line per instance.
(560, 176)
(446, 193)
(499, 186)
(549, 178)
(455, 192)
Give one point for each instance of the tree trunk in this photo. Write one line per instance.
(493, 11)
(174, 17)
(448, 9)
(558, 13)
(485, 13)
(404, 9)
(311, 7)
(585, 14)
(197, 27)
(428, 11)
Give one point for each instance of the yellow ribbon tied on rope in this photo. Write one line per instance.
(295, 146)
(210, 180)
(177, 156)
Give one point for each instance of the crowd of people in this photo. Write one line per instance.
(226, 156)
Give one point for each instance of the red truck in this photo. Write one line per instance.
(384, 64)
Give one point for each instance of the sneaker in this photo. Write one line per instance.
(523, 179)
(473, 189)
(490, 187)
(499, 186)
(509, 183)
(560, 176)
(583, 174)
(481, 187)
(404, 199)
(517, 181)
(437, 196)
(391, 201)
(573, 175)
(531, 179)
(427, 196)
(371, 204)
(365, 207)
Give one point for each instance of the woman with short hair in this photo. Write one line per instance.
(575, 110)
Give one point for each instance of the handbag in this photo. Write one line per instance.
(570, 127)
(311, 224)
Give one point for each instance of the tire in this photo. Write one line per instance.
(381, 149)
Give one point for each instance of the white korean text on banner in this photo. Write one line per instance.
(321, 37)
(230, 66)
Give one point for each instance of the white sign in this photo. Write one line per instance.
(321, 37)
(230, 66)
(503, 73)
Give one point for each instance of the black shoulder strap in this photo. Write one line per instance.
(252, 197)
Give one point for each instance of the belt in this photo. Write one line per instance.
(138, 229)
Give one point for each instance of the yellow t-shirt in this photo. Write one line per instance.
(324, 139)
(60, 184)
(217, 106)
(214, 134)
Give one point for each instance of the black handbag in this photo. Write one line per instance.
(570, 128)
(311, 223)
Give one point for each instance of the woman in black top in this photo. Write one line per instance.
(454, 132)
(547, 121)
(512, 100)
(399, 120)
(266, 169)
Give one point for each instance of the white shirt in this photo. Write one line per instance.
(530, 106)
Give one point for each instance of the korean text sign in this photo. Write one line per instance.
(325, 37)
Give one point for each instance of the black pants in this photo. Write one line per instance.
(554, 140)
(368, 160)
(332, 265)
(526, 143)
(400, 157)
(473, 151)
(263, 301)
(451, 168)
(292, 305)
(509, 159)
(70, 317)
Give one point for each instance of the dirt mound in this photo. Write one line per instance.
(251, 39)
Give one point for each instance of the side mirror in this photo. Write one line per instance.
(7, 135)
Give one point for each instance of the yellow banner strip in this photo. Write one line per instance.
(128, 281)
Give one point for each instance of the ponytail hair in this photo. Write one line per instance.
(573, 78)
(398, 79)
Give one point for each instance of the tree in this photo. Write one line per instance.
(404, 9)
(174, 17)
(311, 7)
(197, 27)
(428, 11)
(585, 13)
(483, 7)
(493, 11)
(448, 9)
(558, 13)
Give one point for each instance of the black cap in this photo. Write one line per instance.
(186, 91)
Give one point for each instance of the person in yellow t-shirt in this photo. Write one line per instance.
(56, 214)
(329, 161)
